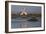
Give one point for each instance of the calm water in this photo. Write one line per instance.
(23, 23)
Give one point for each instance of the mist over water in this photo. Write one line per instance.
(18, 22)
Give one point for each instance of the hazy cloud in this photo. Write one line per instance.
(29, 9)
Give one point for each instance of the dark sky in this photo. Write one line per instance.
(29, 9)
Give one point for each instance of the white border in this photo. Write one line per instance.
(26, 29)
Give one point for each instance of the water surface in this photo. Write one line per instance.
(23, 23)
